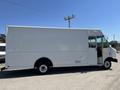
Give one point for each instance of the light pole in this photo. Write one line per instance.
(69, 18)
(113, 37)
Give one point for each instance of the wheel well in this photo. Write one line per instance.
(43, 60)
(109, 59)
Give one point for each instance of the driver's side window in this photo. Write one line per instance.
(92, 42)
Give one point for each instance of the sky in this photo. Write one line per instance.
(102, 14)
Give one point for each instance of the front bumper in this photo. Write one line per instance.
(114, 60)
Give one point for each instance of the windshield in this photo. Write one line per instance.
(98, 41)
(105, 43)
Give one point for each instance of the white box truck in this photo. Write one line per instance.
(44, 48)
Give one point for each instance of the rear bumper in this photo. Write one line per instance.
(114, 60)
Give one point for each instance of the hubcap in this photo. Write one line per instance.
(107, 64)
(43, 68)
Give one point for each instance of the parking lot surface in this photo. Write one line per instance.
(82, 78)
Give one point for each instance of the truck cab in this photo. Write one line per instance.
(104, 52)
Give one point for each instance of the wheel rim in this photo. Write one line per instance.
(43, 68)
(107, 64)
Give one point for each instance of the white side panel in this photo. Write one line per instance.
(63, 47)
(36, 39)
(59, 59)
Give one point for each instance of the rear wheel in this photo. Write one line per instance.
(107, 64)
(42, 68)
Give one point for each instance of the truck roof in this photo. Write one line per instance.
(19, 26)
(91, 31)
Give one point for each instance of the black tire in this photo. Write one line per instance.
(43, 68)
(107, 64)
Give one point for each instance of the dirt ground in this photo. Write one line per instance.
(82, 78)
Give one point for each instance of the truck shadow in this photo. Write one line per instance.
(31, 72)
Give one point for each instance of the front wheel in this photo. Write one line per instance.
(107, 64)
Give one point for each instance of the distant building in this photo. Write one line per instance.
(2, 38)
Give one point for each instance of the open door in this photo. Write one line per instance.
(96, 46)
(92, 51)
(99, 49)
(96, 49)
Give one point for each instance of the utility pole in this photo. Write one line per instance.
(69, 18)
(113, 37)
